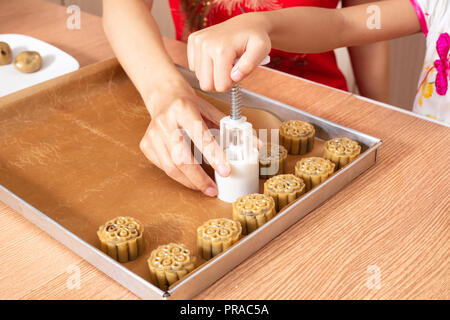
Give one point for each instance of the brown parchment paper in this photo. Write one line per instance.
(70, 148)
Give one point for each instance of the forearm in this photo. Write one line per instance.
(310, 30)
(371, 69)
(304, 29)
(137, 43)
(370, 64)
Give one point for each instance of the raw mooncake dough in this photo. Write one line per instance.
(122, 238)
(313, 171)
(169, 263)
(272, 160)
(217, 235)
(341, 151)
(28, 61)
(284, 189)
(297, 136)
(253, 210)
(5, 54)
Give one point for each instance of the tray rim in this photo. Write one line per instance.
(139, 285)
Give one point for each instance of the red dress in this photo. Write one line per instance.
(192, 15)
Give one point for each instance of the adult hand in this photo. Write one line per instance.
(174, 108)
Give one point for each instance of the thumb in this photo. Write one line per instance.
(255, 52)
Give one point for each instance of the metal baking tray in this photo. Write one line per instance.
(42, 130)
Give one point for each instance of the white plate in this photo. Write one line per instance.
(55, 63)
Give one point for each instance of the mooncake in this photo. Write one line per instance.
(216, 236)
(272, 160)
(122, 238)
(253, 210)
(313, 171)
(170, 263)
(341, 151)
(297, 136)
(284, 189)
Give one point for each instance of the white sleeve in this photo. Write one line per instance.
(430, 12)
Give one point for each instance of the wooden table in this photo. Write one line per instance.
(394, 219)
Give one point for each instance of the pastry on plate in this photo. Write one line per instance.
(5, 53)
(28, 61)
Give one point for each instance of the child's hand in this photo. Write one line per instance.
(212, 51)
(175, 106)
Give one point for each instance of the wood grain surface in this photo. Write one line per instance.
(394, 218)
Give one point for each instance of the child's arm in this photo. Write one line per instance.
(317, 30)
(300, 29)
(172, 103)
(137, 43)
(370, 64)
